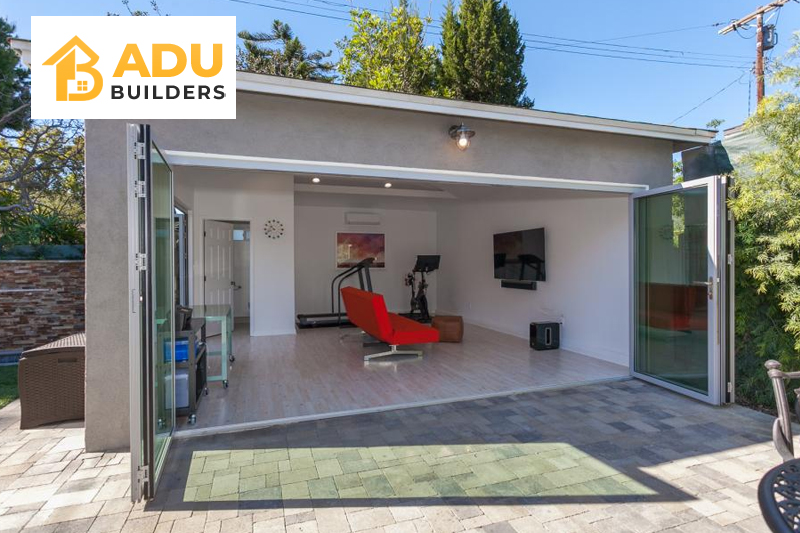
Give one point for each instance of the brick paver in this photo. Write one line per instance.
(618, 457)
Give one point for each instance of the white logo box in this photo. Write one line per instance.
(107, 37)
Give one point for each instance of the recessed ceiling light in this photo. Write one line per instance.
(315, 179)
(387, 185)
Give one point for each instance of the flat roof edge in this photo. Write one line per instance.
(275, 85)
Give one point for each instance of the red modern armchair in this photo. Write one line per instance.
(367, 311)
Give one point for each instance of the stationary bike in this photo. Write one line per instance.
(419, 300)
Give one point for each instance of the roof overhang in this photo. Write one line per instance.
(330, 92)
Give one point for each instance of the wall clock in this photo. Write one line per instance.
(273, 229)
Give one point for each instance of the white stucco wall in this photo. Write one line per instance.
(254, 197)
(587, 270)
(408, 233)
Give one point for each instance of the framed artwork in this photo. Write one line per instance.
(354, 247)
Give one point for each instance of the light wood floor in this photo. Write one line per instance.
(322, 371)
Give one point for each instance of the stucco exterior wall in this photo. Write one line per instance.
(275, 126)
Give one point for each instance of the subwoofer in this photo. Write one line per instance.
(545, 335)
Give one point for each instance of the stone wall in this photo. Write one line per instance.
(40, 301)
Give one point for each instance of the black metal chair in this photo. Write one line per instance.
(779, 497)
(779, 489)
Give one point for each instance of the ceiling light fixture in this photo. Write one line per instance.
(462, 136)
(387, 185)
(315, 179)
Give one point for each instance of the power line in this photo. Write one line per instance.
(627, 46)
(667, 59)
(704, 26)
(709, 98)
(650, 54)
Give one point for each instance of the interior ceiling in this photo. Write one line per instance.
(458, 191)
(375, 183)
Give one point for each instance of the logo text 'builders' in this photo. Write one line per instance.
(133, 67)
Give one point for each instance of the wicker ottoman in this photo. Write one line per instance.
(52, 382)
(451, 328)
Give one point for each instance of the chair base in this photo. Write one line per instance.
(393, 351)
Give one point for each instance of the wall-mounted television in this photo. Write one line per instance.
(520, 255)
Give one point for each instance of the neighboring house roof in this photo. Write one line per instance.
(265, 84)
(23, 49)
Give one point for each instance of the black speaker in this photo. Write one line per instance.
(545, 335)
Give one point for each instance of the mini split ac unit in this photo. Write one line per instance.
(362, 219)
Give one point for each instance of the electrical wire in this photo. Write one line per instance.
(731, 84)
(627, 46)
(704, 26)
(611, 54)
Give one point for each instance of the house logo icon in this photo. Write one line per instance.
(67, 69)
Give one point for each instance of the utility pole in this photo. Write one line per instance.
(758, 15)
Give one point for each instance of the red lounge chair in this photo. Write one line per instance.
(367, 310)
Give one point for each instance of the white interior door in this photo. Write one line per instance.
(218, 265)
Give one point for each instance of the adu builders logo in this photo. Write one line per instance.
(133, 67)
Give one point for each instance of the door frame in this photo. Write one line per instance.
(720, 265)
(251, 265)
(145, 470)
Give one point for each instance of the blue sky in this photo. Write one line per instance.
(559, 81)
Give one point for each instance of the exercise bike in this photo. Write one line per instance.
(419, 300)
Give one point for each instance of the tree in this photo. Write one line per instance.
(483, 54)
(389, 53)
(767, 203)
(280, 53)
(14, 83)
(138, 12)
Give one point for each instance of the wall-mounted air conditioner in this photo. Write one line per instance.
(362, 219)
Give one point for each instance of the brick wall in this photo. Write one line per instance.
(40, 301)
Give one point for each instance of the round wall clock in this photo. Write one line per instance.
(273, 229)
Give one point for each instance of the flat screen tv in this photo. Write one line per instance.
(520, 255)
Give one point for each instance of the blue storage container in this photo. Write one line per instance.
(181, 351)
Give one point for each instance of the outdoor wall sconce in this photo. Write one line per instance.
(462, 136)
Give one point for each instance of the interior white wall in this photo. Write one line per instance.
(587, 287)
(254, 197)
(409, 232)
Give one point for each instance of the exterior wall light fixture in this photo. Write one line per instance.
(462, 136)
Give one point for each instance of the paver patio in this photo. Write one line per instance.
(617, 457)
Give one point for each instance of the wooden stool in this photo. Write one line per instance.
(451, 328)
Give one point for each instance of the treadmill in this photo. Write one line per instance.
(336, 317)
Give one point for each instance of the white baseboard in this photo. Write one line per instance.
(604, 354)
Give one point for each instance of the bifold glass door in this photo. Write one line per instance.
(680, 305)
(152, 278)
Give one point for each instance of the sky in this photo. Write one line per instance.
(560, 78)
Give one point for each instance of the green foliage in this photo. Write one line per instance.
(42, 184)
(767, 211)
(280, 53)
(389, 54)
(8, 385)
(483, 54)
(14, 83)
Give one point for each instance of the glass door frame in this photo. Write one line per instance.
(720, 269)
(145, 466)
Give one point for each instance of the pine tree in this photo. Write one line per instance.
(280, 53)
(482, 54)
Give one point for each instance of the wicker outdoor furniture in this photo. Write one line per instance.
(52, 382)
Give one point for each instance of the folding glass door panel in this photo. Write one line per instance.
(678, 320)
(152, 278)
